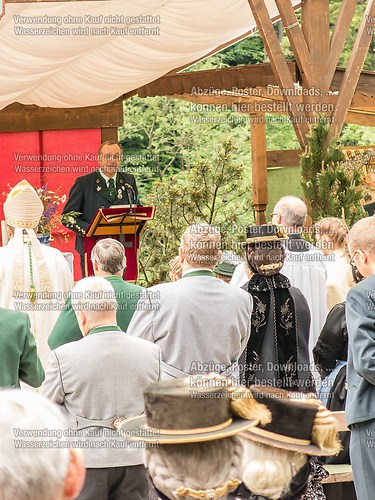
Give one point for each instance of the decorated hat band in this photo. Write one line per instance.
(218, 492)
(298, 423)
(264, 233)
(201, 430)
(196, 408)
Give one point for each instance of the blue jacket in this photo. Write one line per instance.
(360, 318)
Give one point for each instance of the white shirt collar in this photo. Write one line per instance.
(106, 178)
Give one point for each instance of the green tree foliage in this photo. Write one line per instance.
(330, 187)
(211, 191)
(247, 51)
(357, 19)
(155, 137)
(353, 135)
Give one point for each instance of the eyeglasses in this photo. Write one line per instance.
(351, 261)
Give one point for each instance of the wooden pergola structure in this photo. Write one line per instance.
(310, 85)
(302, 88)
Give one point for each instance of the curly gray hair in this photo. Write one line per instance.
(268, 471)
(198, 466)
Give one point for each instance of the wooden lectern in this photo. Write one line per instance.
(124, 223)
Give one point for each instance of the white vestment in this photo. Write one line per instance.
(306, 270)
(239, 277)
(339, 277)
(45, 310)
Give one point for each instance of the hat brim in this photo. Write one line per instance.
(265, 239)
(223, 273)
(135, 429)
(307, 449)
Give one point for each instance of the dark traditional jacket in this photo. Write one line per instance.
(18, 353)
(332, 344)
(66, 328)
(360, 318)
(90, 192)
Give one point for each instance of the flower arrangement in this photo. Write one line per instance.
(50, 219)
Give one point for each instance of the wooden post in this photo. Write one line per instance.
(259, 166)
(109, 134)
(315, 27)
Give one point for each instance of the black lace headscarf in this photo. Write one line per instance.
(270, 291)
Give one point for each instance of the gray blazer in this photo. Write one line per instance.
(95, 380)
(360, 318)
(200, 323)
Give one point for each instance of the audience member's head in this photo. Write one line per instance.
(330, 234)
(361, 244)
(175, 268)
(108, 258)
(200, 246)
(290, 212)
(31, 467)
(224, 270)
(94, 302)
(265, 252)
(276, 454)
(202, 465)
(195, 420)
(269, 471)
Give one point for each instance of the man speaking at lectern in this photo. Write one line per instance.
(103, 188)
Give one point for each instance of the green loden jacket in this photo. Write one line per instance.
(19, 358)
(66, 328)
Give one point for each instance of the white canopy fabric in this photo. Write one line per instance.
(112, 52)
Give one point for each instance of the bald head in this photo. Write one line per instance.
(362, 236)
(361, 243)
(291, 211)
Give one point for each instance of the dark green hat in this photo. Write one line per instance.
(225, 268)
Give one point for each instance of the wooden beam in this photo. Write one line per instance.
(292, 157)
(251, 80)
(279, 66)
(360, 106)
(364, 119)
(365, 85)
(213, 80)
(339, 36)
(298, 44)
(259, 166)
(110, 134)
(21, 118)
(363, 103)
(284, 158)
(353, 70)
(315, 27)
(260, 103)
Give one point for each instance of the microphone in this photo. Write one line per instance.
(129, 188)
